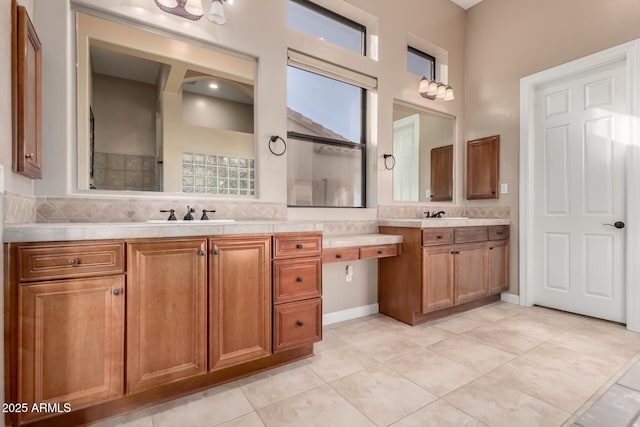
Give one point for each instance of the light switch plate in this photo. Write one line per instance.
(504, 188)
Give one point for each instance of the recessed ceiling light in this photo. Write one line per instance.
(213, 85)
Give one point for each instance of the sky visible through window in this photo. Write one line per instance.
(421, 65)
(333, 104)
(324, 27)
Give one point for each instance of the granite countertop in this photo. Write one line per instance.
(49, 232)
(442, 222)
(346, 240)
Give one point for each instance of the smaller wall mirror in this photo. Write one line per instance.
(423, 149)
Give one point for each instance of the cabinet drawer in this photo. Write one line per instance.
(381, 251)
(57, 261)
(470, 234)
(297, 245)
(296, 324)
(437, 236)
(340, 254)
(297, 279)
(498, 232)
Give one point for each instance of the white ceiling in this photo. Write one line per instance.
(466, 4)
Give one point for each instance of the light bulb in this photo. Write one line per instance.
(194, 7)
(448, 94)
(216, 14)
(424, 85)
(441, 91)
(433, 88)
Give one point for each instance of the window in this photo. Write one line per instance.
(324, 24)
(326, 140)
(421, 63)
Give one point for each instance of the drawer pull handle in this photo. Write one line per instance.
(299, 246)
(499, 233)
(202, 253)
(73, 262)
(455, 252)
(117, 292)
(300, 323)
(339, 256)
(299, 279)
(491, 248)
(380, 252)
(439, 237)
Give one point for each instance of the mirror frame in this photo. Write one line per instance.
(203, 56)
(456, 150)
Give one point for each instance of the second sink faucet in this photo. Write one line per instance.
(434, 214)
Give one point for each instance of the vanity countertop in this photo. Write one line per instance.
(50, 232)
(330, 241)
(442, 222)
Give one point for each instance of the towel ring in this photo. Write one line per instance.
(272, 140)
(386, 164)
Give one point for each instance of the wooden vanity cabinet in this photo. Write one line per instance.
(67, 333)
(166, 311)
(239, 300)
(442, 270)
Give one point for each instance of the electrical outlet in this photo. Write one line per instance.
(504, 188)
(348, 276)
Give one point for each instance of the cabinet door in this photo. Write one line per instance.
(71, 340)
(239, 300)
(483, 162)
(470, 277)
(498, 266)
(166, 312)
(437, 278)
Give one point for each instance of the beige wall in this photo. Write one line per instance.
(216, 113)
(510, 39)
(338, 294)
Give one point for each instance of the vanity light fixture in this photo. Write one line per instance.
(213, 86)
(433, 90)
(193, 9)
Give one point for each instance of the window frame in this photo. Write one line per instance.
(338, 18)
(425, 55)
(362, 145)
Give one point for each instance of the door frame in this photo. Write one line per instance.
(630, 53)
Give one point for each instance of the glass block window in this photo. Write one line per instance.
(308, 17)
(216, 174)
(421, 63)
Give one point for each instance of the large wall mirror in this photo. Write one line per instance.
(159, 114)
(423, 147)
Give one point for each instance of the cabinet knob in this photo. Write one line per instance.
(215, 252)
(299, 246)
(338, 256)
(29, 156)
(499, 233)
(491, 248)
(73, 262)
(117, 292)
(299, 279)
(380, 252)
(300, 323)
(439, 237)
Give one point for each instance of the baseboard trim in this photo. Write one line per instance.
(510, 298)
(351, 313)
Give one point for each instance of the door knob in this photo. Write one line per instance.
(617, 224)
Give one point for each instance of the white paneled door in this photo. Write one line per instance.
(581, 131)
(406, 151)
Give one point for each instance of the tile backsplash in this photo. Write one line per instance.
(216, 174)
(19, 208)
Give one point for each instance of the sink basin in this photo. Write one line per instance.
(194, 222)
(450, 217)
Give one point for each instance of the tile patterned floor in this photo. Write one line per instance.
(499, 365)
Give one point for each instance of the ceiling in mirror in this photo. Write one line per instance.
(423, 148)
(158, 114)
